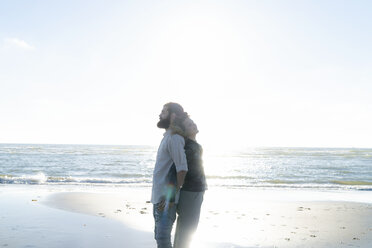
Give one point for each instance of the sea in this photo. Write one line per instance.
(115, 165)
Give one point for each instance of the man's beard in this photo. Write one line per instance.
(164, 123)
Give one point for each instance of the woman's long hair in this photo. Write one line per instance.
(177, 126)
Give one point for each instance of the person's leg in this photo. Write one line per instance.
(163, 225)
(176, 242)
(188, 210)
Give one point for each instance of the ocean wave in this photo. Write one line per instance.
(228, 177)
(281, 182)
(304, 152)
(40, 178)
(351, 182)
(216, 181)
(337, 182)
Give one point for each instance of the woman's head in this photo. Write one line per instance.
(191, 129)
(184, 127)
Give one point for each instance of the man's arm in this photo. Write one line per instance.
(177, 153)
(180, 179)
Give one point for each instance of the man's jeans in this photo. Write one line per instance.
(163, 225)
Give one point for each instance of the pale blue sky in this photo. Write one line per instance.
(251, 73)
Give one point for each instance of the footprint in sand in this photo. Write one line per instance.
(288, 239)
(302, 209)
(212, 212)
(356, 239)
(342, 227)
(102, 215)
(143, 212)
(313, 236)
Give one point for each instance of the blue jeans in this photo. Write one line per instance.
(163, 225)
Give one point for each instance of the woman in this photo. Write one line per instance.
(192, 191)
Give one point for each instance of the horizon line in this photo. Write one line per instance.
(152, 145)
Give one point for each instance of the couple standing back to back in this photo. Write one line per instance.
(178, 180)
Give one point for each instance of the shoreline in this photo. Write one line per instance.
(229, 218)
(27, 222)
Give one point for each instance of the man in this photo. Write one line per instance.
(171, 152)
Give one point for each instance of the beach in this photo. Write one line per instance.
(45, 216)
(272, 99)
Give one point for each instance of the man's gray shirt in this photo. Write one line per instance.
(171, 150)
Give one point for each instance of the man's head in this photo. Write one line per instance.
(170, 112)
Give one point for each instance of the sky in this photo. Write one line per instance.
(249, 73)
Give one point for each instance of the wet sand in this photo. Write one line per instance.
(122, 217)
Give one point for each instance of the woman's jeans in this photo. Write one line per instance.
(188, 210)
(163, 225)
